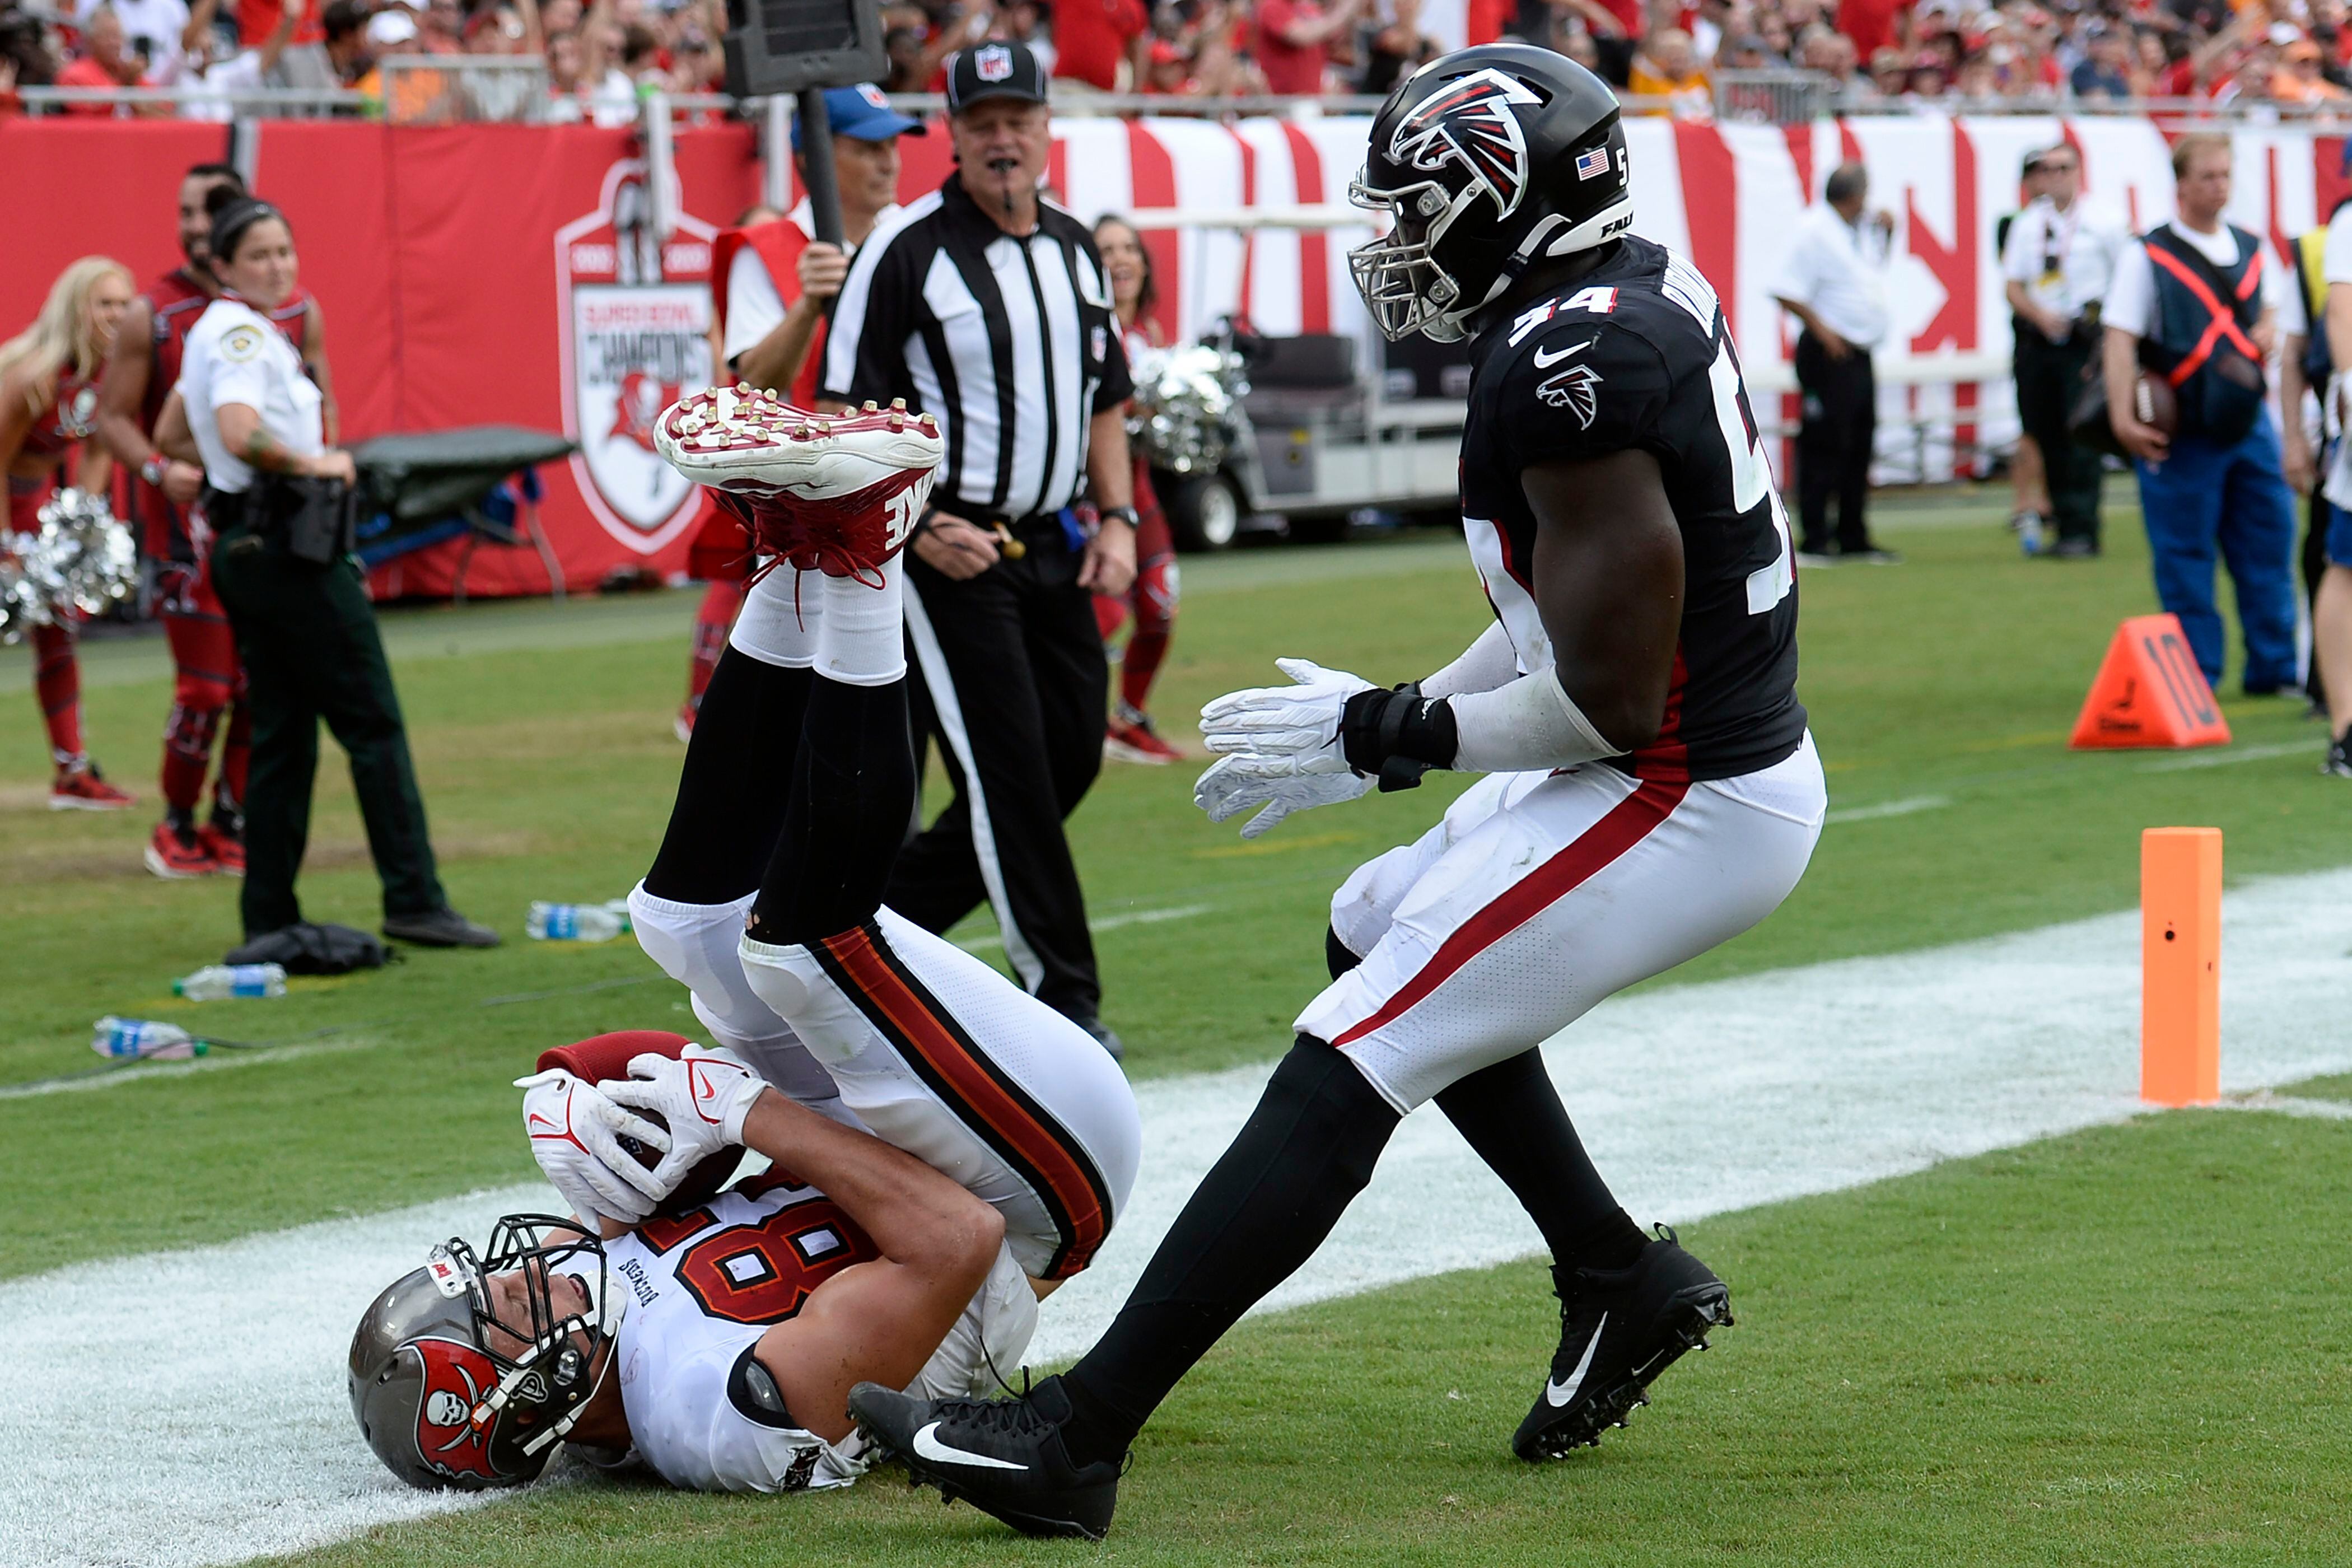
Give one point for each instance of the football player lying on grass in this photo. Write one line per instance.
(717, 1340)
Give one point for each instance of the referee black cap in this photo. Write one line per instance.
(995, 70)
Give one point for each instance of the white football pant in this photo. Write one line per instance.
(1539, 894)
(938, 1054)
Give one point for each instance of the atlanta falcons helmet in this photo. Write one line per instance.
(438, 1395)
(1488, 159)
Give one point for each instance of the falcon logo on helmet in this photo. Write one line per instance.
(1490, 160)
(1471, 123)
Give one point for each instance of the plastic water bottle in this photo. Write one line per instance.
(221, 980)
(128, 1037)
(577, 922)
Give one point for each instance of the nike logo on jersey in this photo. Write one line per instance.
(1556, 1395)
(928, 1447)
(1545, 361)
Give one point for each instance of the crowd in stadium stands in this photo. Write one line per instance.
(1929, 54)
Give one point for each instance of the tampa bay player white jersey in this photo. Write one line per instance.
(698, 1291)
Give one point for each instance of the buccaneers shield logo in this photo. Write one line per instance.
(456, 1377)
(637, 334)
(1471, 123)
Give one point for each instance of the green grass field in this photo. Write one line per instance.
(2122, 1346)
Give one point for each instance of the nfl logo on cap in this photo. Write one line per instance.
(1593, 164)
(873, 95)
(995, 63)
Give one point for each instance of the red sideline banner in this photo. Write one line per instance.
(508, 274)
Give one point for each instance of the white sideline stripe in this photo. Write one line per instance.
(2291, 1105)
(220, 1063)
(1693, 1100)
(2220, 757)
(990, 941)
(1905, 807)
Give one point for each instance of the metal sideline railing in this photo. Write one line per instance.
(1769, 97)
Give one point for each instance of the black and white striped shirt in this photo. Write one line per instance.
(1010, 343)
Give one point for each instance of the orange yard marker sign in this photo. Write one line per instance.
(2180, 965)
(2149, 692)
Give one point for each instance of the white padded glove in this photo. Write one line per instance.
(1282, 785)
(1281, 748)
(1299, 719)
(574, 1134)
(703, 1095)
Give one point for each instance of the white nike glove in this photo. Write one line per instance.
(1283, 720)
(1282, 785)
(703, 1095)
(574, 1134)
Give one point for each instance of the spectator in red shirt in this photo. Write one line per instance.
(1871, 23)
(103, 63)
(1293, 42)
(1092, 38)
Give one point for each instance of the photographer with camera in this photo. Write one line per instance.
(280, 505)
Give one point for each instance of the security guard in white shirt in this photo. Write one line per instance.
(1835, 283)
(2057, 262)
(279, 502)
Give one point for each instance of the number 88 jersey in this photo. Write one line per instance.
(1636, 353)
(701, 1289)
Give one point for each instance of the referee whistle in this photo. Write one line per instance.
(1009, 547)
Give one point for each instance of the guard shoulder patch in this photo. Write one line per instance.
(241, 343)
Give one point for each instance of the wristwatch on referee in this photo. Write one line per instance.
(1125, 514)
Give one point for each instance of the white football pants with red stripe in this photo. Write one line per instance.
(1538, 895)
(940, 1054)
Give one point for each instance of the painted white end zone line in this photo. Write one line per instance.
(1696, 1101)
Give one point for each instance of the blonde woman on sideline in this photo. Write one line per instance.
(49, 406)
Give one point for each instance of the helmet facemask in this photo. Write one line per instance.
(1406, 290)
(460, 1380)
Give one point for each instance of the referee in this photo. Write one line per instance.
(987, 308)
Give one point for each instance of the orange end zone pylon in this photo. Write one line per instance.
(2149, 692)
(2180, 965)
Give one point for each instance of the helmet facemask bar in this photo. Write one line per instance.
(551, 1374)
(1406, 288)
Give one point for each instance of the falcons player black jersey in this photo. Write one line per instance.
(1636, 353)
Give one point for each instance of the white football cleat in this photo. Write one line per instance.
(837, 493)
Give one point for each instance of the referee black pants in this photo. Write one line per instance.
(2048, 377)
(1009, 675)
(1833, 446)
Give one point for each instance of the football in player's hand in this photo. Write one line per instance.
(645, 1153)
(2154, 402)
(607, 1056)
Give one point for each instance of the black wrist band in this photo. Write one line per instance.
(1125, 514)
(1398, 735)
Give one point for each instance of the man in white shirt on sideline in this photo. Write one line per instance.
(1835, 283)
(2057, 262)
(154, 30)
(2195, 303)
(2331, 632)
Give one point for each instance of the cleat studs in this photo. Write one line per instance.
(898, 406)
(872, 406)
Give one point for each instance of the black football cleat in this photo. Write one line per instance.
(1004, 1456)
(1619, 1329)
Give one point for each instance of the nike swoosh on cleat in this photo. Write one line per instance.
(1545, 361)
(1560, 1394)
(927, 1446)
